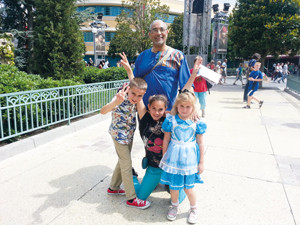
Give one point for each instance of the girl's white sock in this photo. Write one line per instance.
(175, 204)
(193, 206)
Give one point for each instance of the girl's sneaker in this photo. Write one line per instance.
(138, 203)
(172, 213)
(193, 216)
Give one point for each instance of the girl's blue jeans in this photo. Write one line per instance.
(150, 181)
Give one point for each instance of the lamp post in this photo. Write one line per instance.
(98, 26)
(220, 30)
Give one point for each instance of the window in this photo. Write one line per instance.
(107, 11)
(88, 36)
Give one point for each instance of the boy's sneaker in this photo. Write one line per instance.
(138, 203)
(261, 103)
(193, 216)
(115, 192)
(172, 213)
(246, 107)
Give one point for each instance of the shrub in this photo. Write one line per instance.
(13, 80)
(94, 74)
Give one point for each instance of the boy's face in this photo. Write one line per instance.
(256, 66)
(135, 95)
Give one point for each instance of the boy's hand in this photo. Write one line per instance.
(120, 96)
(124, 61)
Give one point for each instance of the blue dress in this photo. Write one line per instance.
(180, 163)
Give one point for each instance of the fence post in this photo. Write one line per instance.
(69, 117)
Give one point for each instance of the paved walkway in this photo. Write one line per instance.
(252, 174)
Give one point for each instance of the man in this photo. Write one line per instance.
(171, 74)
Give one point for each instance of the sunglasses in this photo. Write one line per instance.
(186, 91)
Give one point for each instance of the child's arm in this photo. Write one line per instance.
(141, 108)
(119, 98)
(199, 138)
(124, 62)
(190, 81)
(166, 141)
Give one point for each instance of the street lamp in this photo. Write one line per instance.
(220, 31)
(98, 28)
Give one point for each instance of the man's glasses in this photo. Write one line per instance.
(156, 30)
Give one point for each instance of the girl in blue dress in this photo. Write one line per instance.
(183, 153)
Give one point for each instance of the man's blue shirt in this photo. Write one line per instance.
(166, 78)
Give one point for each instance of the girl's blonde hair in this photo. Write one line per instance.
(185, 96)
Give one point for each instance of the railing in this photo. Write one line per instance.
(24, 112)
(293, 83)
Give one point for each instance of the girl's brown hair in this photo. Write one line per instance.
(154, 98)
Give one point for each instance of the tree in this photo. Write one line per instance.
(121, 36)
(137, 16)
(58, 41)
(266, 27)
(17, 17)
(175, 36)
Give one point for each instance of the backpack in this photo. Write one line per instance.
(209, 86)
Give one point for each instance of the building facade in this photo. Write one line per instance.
(110, 10)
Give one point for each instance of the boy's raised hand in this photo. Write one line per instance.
(120, 96)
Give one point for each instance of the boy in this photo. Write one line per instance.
(255, 57)
(254, 77)
(123, 124)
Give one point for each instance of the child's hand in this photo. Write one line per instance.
(197, 66)
(124, 61)
(200, 168)
(120, 96)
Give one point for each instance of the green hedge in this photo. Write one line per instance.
(94, 74)
(13, 80)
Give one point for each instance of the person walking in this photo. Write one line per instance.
(239, 73)
(254, 59)
(200, 88)
(254, 78)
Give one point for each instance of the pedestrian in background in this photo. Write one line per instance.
(200, 88)
(255, 57)
(239, 73)
(254, 78)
